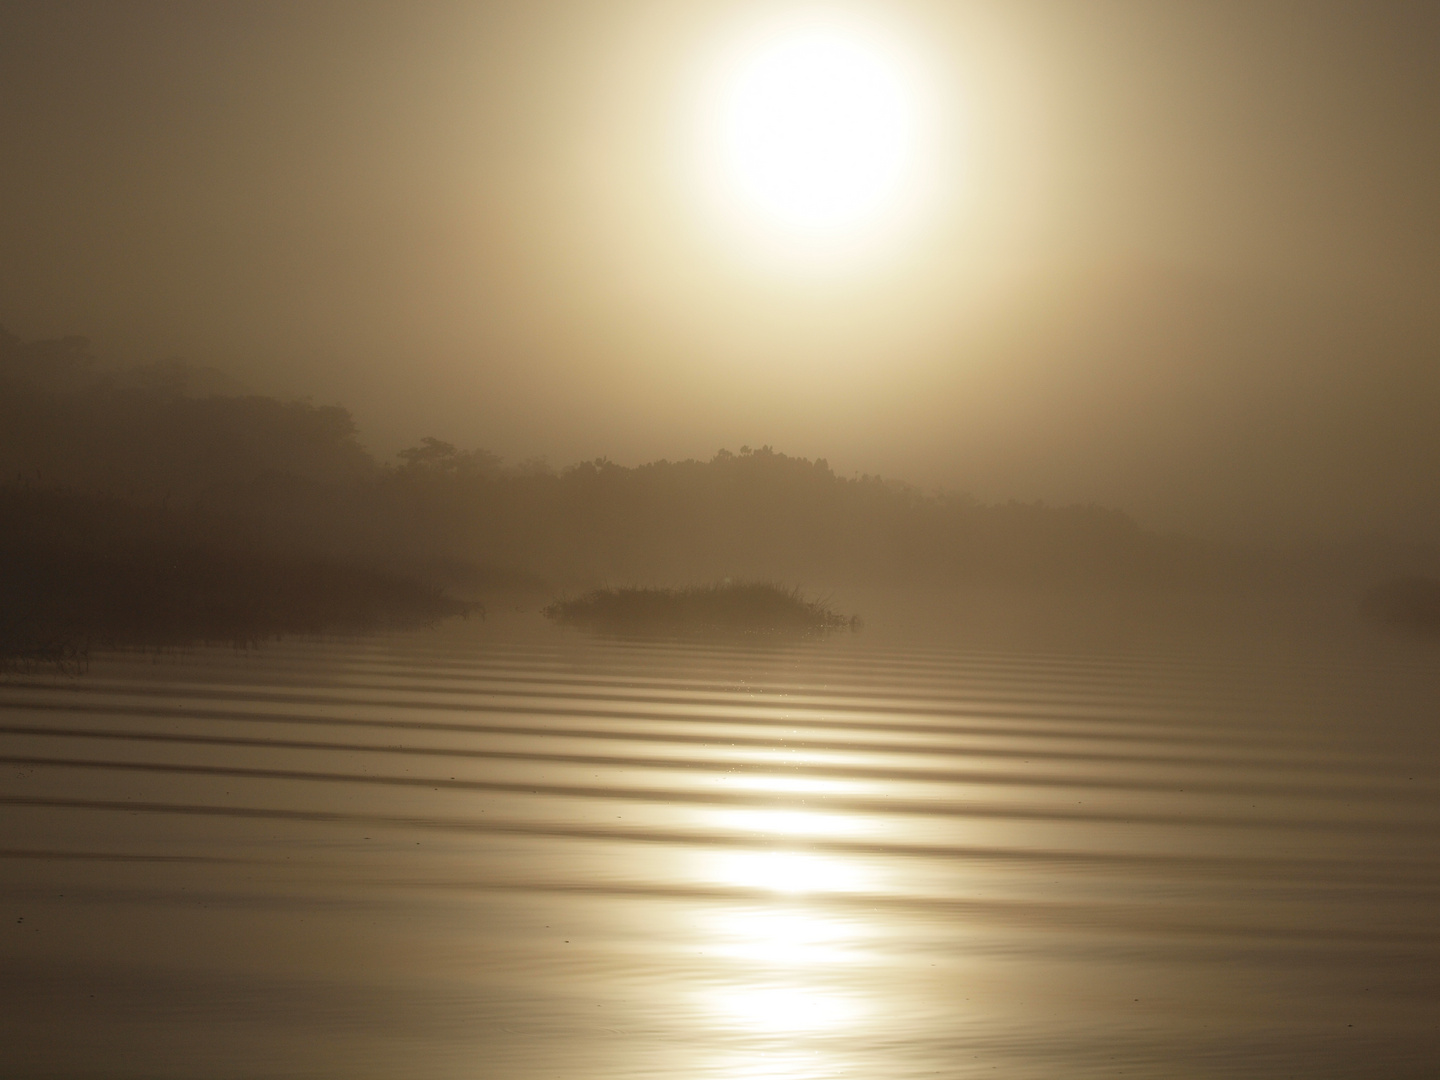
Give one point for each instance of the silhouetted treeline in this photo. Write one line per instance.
(78, 572)
(755, 514)
(291, 479)
(105, 533)
(155, 431)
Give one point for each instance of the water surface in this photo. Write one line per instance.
(498, 850)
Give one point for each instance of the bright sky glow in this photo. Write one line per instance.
(816, 130)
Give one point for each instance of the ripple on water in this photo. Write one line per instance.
(461, 853)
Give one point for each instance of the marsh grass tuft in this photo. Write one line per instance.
(739, 607)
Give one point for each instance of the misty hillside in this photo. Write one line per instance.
(155, 431)
(249, 472)
(292, 476)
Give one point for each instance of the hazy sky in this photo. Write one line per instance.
(1178, 257)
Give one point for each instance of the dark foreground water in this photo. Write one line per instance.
(496, 850)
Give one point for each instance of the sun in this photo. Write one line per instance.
(814, 131)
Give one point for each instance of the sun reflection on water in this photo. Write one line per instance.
(786, 871)
(789, 822)
(775, 1009)
(783, 985)
(775, 1063)
(786, 937)
(792, 785)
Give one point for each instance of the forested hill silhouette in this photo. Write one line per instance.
(292, 477)
(164, 429)
(111, 465)
(751, 514)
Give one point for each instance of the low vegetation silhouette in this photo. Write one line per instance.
(742, 606)
(85, 572)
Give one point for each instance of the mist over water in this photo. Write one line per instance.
(840, 539)
(502, 849)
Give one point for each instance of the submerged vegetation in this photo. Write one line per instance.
(754, 606)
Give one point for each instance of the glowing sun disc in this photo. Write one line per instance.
(817, 128)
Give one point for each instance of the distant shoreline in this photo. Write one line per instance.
(149, 506)
(58, 607)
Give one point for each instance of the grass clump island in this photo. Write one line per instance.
(743, 607)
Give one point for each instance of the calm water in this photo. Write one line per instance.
(497, 850)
